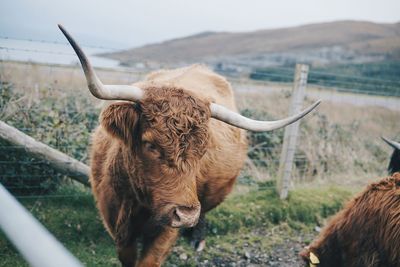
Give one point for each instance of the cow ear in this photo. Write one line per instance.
(121, 120)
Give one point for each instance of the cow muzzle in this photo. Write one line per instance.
(183, 216)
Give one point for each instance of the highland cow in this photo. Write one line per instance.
(366, 233)
(167, 154)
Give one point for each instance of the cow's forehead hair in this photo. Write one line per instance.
(174, 109)
(177, 121)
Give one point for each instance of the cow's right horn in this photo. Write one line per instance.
(391, 143)
(96, 87)
(223, 114)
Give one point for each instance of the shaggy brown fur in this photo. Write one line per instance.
(366, 233)
(164, 152)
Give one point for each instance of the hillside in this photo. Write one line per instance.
(333, 42)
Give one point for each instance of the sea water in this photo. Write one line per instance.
(51, 53)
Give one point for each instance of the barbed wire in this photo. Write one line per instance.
(314, 80)
(36, 51)
(59, 43)
(290, 73)
(268, 160)
(338, 85)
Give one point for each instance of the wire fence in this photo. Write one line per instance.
(50, 103)
(107, 48)
(337, 81)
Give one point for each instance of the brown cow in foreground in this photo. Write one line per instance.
(163, 159)
(366, 233)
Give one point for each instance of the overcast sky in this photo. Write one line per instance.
(128, 23)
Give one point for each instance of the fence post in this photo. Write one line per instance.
(291, 131)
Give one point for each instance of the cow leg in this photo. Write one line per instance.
(157, 248)
(197, 234)
(127, 255)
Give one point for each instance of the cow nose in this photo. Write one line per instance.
(185, 216)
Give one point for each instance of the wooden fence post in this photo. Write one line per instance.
(291, 131)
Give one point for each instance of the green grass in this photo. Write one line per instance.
(304, 207)
(74, 221)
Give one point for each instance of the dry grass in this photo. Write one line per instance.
(340, 143)
(68, 79)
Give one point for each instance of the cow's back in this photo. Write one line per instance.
(197, 79)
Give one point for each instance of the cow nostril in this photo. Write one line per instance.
(175, 215)
(185, 216)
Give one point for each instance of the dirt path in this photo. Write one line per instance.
(283, 253)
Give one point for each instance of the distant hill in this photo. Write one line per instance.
(318, 44)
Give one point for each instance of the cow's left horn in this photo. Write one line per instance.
(96, 87)
(391, 143)
(223, 114)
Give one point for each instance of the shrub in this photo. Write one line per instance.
(62, 122)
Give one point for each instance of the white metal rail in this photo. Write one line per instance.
(37, 245)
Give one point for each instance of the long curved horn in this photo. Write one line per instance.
(223, 114)
(96, 87)
(391, 143)
(133, 93)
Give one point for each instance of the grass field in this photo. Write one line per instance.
(339, 151)
(250, 224)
